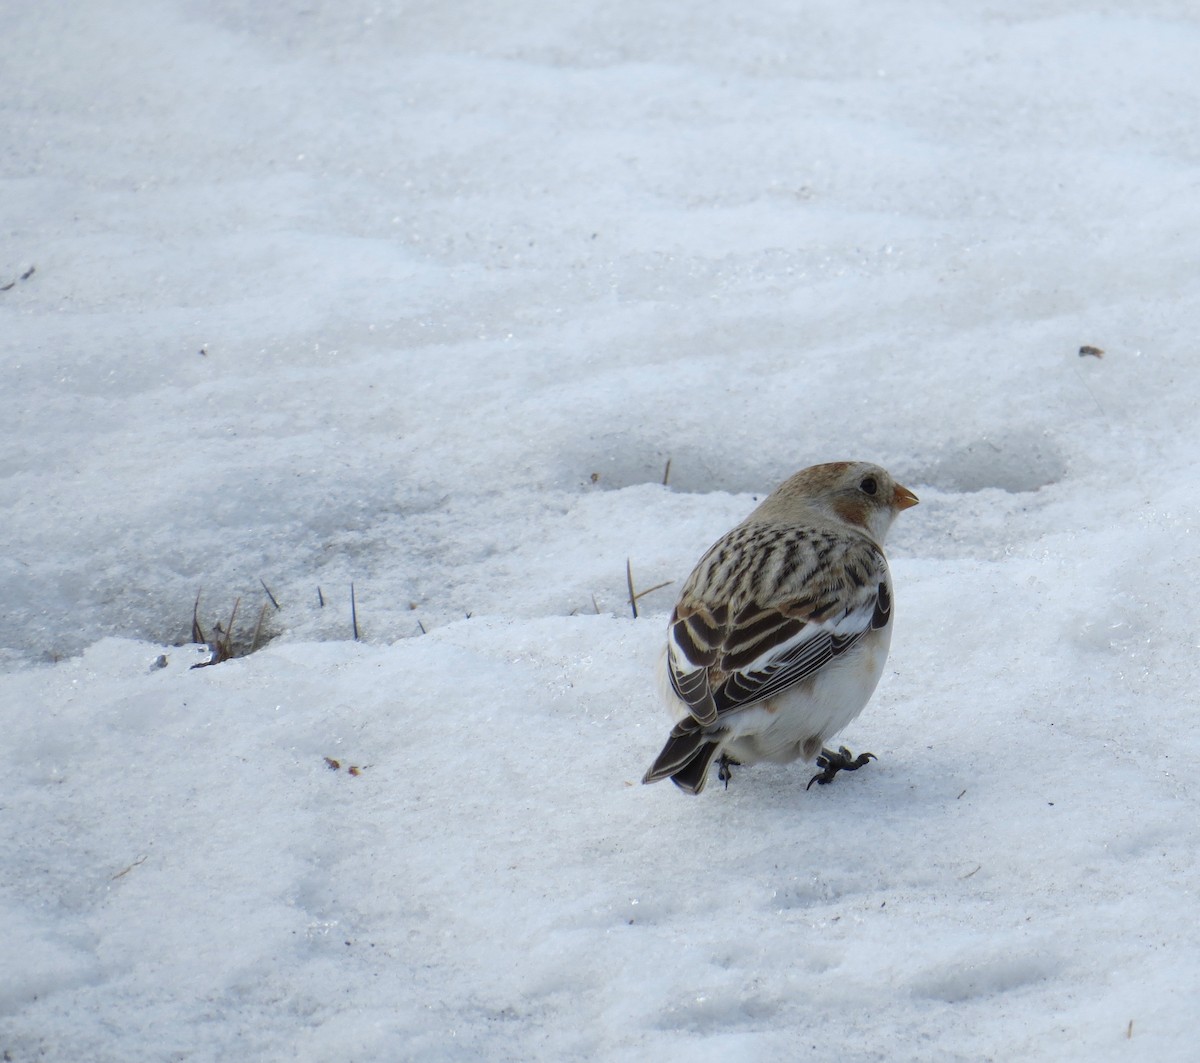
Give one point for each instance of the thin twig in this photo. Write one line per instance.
(320, 597)
(142, 859)
(268, 590)
(353, 612)
(422, 627)
(667, 473)
(24, 276)
(629, 581)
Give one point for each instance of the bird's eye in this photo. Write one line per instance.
(869, 486)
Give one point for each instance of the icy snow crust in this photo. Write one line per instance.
(424, 298)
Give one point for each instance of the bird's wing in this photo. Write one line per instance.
(720, 660)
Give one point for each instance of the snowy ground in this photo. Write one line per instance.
(424, 298)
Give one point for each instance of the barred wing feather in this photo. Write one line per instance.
(715, 668)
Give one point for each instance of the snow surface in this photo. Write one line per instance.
(423, 297)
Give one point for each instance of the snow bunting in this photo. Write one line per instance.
(781, 631)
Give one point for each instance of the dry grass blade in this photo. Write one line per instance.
(197, 631)
(222, 643)
(262, 615)
(229, 627)
(635, 595)
(656, 587)
(223, 639)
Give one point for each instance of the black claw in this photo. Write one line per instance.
(725, 769)
(831, 763)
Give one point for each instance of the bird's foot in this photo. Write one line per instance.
(725, 768)
(831, 763)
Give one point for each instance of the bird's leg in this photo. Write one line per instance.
(831, 763)
(725, 768)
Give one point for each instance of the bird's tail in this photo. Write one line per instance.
(686, 757)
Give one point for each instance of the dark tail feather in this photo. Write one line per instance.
(693, 775)
(685, 758)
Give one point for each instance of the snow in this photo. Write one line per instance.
(423, 298)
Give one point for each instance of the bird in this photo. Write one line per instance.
(781, 631)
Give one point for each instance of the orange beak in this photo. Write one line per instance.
(903, 498)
